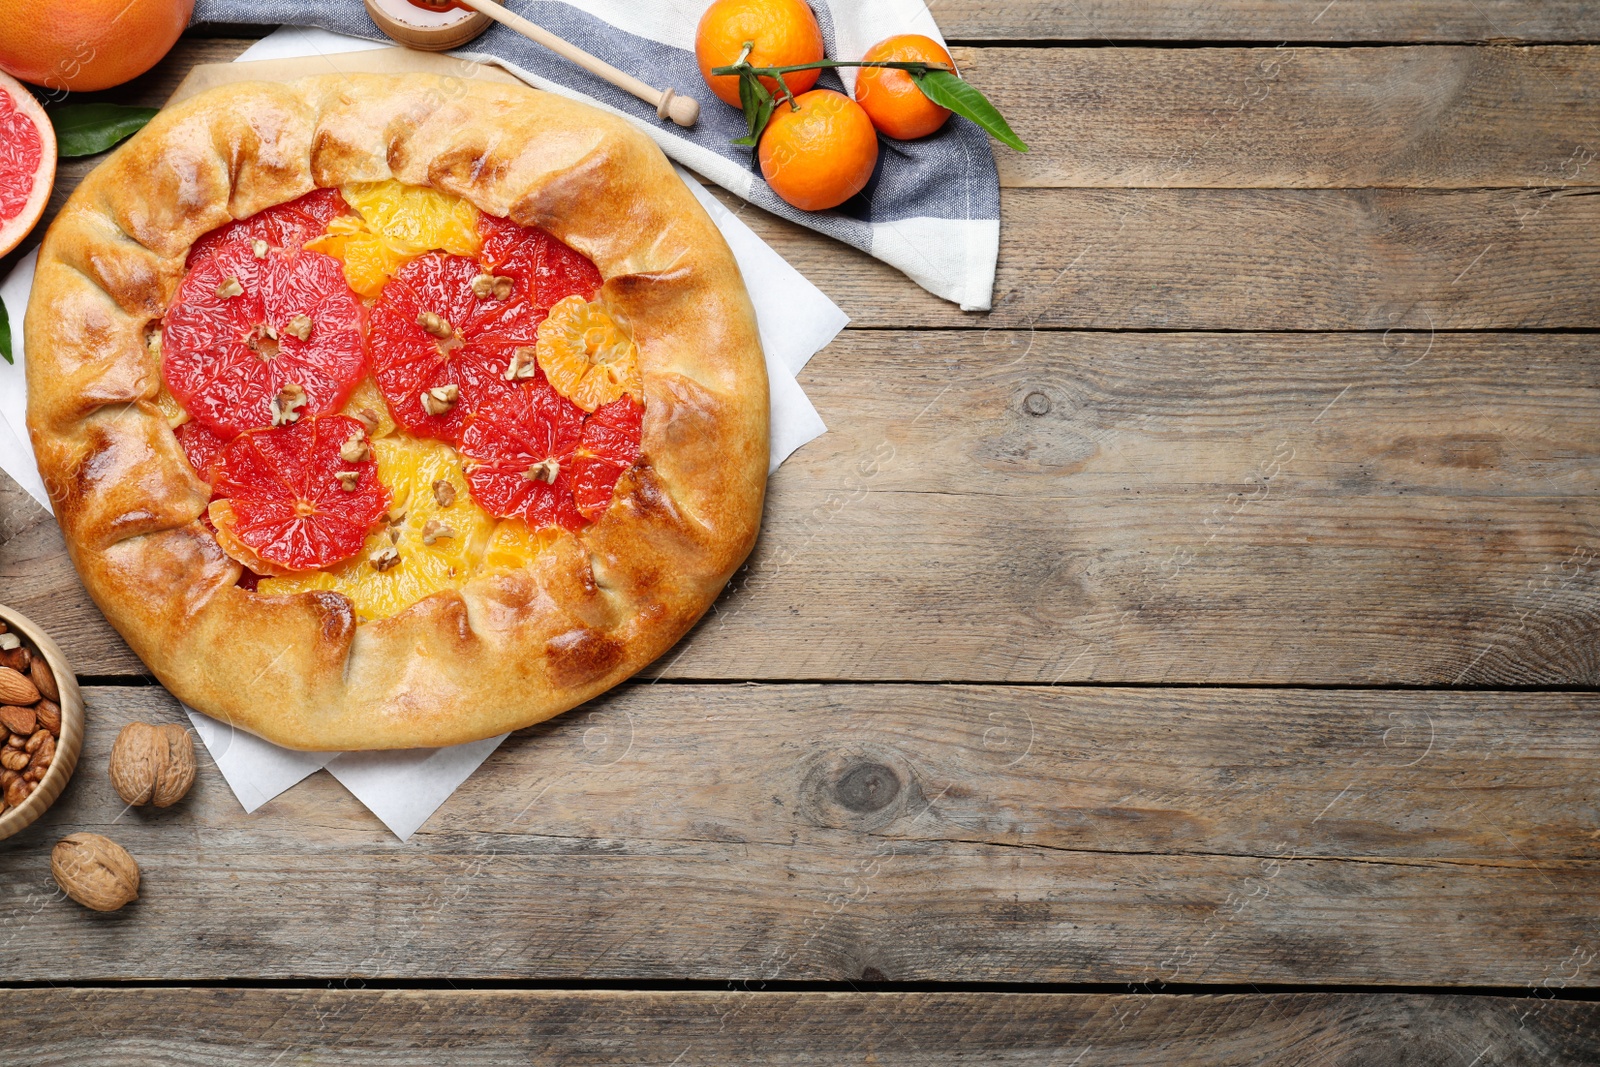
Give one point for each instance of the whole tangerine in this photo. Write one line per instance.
(820, 153)
(784, 33)
(88, 44)
(891, 99)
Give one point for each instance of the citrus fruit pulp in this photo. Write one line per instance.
(608, 446)
(226, 357)
(437, 545)
(473, 343)
(394, 224)
(286, 226)
(519, 449)
(277, 501)
(200, 447)
(27, 162)
(542, 266)
(586, 356)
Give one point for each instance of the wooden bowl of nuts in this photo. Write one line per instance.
(41, 722)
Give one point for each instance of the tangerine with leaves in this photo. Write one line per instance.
(819, 153)
(783, 33)
(890, 98)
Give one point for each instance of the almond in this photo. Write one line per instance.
(19, 720)
(16, 689)
(16, 658)
(44, 679)
(48, 713)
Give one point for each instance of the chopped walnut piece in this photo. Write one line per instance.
(368, 418)
(436, 530)
(290, 397)
(230, 287)
(384, 558)
(299, 327)
(440, 399)
(354, 449)
(348, 480)
(395, 515)
(259, 248)
(444, 493)
(524, 364)
(543, 471)
(435, 325)
(9, 642)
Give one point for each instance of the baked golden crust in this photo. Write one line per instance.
(512, 648)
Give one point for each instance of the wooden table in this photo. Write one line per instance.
(1192, 661)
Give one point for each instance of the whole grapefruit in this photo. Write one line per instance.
(87, 44)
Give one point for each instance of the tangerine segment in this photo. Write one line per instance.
(279, 505)
(473, 344)
(586, 355)
(520, 449)
(608, 447)
(514, 543)
(436, 545)
(200, 446)
(546, 270)
(286, 226)
(367, 404)
(226, 357)
(396, 223)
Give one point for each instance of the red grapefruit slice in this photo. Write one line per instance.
(279, 504)
(290, 320)
(547, 268)
(285, 227)
(27, 162)
(608, 447)
(431, 331)
(519, 448)
(200, 447)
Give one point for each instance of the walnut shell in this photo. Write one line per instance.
(95, 871)
(152, 764)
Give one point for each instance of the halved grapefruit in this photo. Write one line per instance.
(27, 162)
(200, 446)
(244, 328)
(285, 500)
(519, 450)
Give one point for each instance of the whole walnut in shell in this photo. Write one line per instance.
(152, 764)
(95, 871)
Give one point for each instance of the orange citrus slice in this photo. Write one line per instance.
(433, 542)
(586, 355)
(394, 224)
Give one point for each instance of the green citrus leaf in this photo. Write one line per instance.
(757, 103)
(5, 334)
(949, 91)
(88, 129)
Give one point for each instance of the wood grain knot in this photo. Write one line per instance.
(867, 787)
(1036, 403)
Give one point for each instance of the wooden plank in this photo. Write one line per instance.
(1296, 117)
(1251, 259)
(1215, 508)
(1269, 21)
(196, 1027)
(883, 832)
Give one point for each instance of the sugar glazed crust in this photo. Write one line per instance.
(513, 647)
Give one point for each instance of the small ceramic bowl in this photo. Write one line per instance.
(38, 643)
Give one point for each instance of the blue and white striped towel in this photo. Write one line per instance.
(932, 208)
